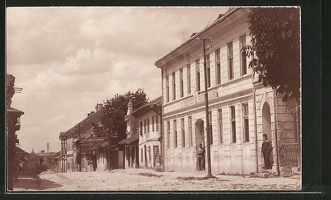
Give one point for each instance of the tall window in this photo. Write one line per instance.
(157, 123)
(245, 122)
(218, 65)
(175, 133)
(220, 126)
(153, 123)
(243, 63)
(181, 83)
(208, 69)
(230, 60)
(147, 125)
(233, 124)
(173, 86)
(141, 128)
(182, 123)
(144, 126)
(168, 134)
(167, 88)
(197, 70)
(190, 131)
(210, 127)
(188, 79)
(142, 155)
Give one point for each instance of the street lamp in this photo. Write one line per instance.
(209, 175)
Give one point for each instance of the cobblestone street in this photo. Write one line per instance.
(150, 180)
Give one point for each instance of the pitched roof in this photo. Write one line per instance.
(147, 107)
(159, 63)
(130, 140)
(85, 125)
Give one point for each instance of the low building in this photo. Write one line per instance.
(77, 139)
(149, 118)
(131, 145)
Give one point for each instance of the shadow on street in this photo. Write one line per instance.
(34, 184)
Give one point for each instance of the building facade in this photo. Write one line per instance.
(240, 109)
(149, 119)
(131, 143)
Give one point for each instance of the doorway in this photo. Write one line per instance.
(199, 137)
(266, 120)
(266, 124)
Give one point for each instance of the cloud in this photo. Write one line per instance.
(68, 59)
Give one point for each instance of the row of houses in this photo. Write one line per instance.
(83, 150)
(167, 131)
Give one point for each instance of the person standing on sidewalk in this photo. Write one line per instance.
(267, 152)
(201, 158)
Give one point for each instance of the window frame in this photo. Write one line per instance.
(167, 89)
(156, 123)
(208, 70)
(190, 131)
(245, 116)
(197, 75)
(181, 83)
(174, 86)
(168, 134)
(153, 129)
(220, 125)
(243, 57)
(175, 133)
(218, 66)
(230, 60)
(233, 124)
(182, 123)
(188, 74)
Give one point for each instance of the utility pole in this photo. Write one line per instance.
(209, 175)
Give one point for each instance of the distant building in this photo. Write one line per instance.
(76, 141)
(131, 146)
(149, 117)
(47, 159)
(241, 110)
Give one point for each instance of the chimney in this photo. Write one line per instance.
(98, 107)
(47, 151)
(130, 107)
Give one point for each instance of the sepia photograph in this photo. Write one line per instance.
(114, 98)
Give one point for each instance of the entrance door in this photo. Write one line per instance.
(145, 152)
(199, 136)
(266, 122)
(155, 153)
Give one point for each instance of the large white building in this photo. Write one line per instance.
(240, 108)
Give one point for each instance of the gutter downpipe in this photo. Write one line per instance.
(255, 126)
(276, 137)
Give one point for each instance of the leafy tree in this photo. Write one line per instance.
(115, 110)
(276, 44)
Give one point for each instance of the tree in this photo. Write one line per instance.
(115, 109)
(276, 44)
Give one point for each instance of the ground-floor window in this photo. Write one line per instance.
(233, 124)
(142, 155)
(220, 126)
(245, 123)
(149, 153)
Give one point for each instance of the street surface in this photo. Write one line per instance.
(150, 180)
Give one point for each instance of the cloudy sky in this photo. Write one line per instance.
(71, 58)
